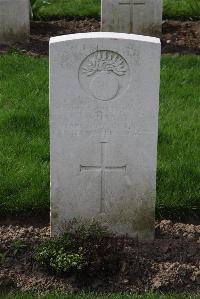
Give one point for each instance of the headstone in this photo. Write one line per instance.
(132, 16)
(104, 96)
(14, 21)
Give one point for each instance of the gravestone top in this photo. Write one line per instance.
(109, 35)
(104, 90)
(14, 21)
(132, 16)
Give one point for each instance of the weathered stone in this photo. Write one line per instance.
(104, 91)
(132, 16)
(14, 21)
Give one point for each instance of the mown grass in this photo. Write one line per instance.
(24, 142)
(178, 175)
(93, 296)
(66, 9)
(51, 9)
(181, 9)
(24, 136)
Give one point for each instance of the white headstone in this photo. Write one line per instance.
(14, 21)
(104, 97)
(132, 16)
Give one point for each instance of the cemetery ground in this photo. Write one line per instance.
(181, 25)
(46, 10)
(25, 137)
(171, 262)
(93, 296)
(177, 37)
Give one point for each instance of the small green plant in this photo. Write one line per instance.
(3, 255)
(16, 246)
(82, 247)
(60, 255)
(36, 5)
(64, 261)
(11, 251)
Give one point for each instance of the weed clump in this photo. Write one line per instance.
(82, 248)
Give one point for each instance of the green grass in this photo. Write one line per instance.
(24, 144)
(55, 9)
(91, 296)
(181, 9)
(179, 135)
(52, 9)
(24, 136)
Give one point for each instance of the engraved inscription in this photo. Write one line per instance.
(131, 3)
(103, 168)
(104, 74)
(105, 61)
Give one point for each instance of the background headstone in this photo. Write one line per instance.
(132, 16)
(14, 21)
(104, 96)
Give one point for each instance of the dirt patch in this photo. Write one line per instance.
(42, 31)
(181, 37)
(177, 37)
(170, 263)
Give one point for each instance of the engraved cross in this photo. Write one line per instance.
(132, 3)
(103, 168)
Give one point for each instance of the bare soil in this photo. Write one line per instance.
(178, 37)
(170, 263)
(181, 37)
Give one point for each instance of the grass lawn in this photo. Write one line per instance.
(91, 296)
(51, 9)
(24, 144)
(24, 136)
(181, 9)
(178, 173)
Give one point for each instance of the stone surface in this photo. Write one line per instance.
(132, 16)
(14, 21)
(104, 96)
